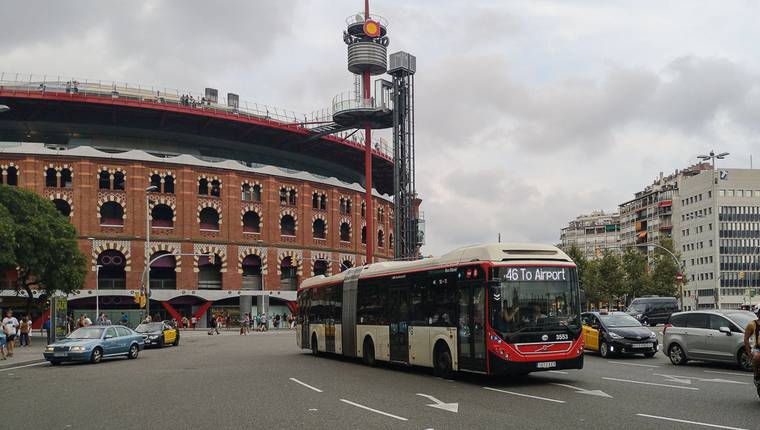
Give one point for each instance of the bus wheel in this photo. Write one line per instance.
(314, 349)
(368, 352)
(442, 361)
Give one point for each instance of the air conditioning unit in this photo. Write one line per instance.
(233, 100)
(212, 95)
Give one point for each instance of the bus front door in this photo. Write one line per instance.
(471, 327)
(399, 324)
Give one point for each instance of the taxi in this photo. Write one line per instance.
(159, 333)
(611, 333)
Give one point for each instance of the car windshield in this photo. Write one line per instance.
(144, 328)
(534, 299)
(742, 318)
(637, 307)
(86, 333)
(619, 320)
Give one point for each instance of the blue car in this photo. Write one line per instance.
(95, 343)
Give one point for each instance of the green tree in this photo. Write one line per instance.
(7, 240)
(45, 251)
(611, 276)
(638, 278)
(580, 261)
(664, 270)
(592, 282)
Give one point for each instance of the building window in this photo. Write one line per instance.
(251, 222)
(63, 207)
(390, 240)
(203, 187)
(169, 184)
(51, 178)
(318, 229)
(111, 214)
(287, 225)
(9, 176)
(380, 239)
(345, 206)
(118, 181)
(216, 188)
(162, 216)
(251, 193)
(364, 235)
(209, 219)
(364, 209)
(320, 267)
(345, 232)
(155, 181)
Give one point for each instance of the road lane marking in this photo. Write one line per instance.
(305, 385)
(19, 367)
(373, 410)
(633, 364)
(652, 383)
(525, 395)
(691, 422)
(687, 379)
(598, 393)
(451, 407)
(728, 373)
(558, 371)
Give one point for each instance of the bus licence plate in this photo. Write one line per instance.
(546, 364)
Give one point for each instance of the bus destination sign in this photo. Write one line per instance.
(535, 274)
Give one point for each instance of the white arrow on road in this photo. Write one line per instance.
(671, 378)
(598, 393)
(451, 407)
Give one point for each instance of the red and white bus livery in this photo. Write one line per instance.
(493, 309)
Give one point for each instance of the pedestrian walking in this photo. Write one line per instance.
(10, 327)
(264, 322)
(24, 327)
(46, 328)
(185, 322)
(219, 323)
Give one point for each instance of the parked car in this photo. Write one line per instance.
(94, 343)
(158, 334)
(708, 336)
(617, 333)
(653, 310)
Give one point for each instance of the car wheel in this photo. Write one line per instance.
(176, 340)
(744, 360)
(55, 362)
(676, 354)
(133, 352)
(604, 349)
(368, 352)
(649, 354)
(97, 355)
(314, 348)
(442, 361)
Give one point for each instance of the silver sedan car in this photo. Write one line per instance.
(708, 335)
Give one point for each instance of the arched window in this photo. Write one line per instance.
(209, 219)
(289, 275)
(251, 222)
(292, 197)
(256, 191)
(162, 271)
(66, 178)
(364, 209)
(118, 181)
(216, 188)
(169, 184)
(283, 196)
(348, 207)
(63, 207)
(203, 187)
(111, 214)
(155, 181)
(380, 214)
(390, 240)
(245, 192)
(315, 201)
(51, 178)
(287, 226)
(252, 272)
(12, 177)
(345, 265)
(323, 202)
(345, 232)
(210, 273)
(380, 239)
(364, 235)
(104, 180)
(320, 267)
(319, 228)
(342, 206)
(163, 216)
(111, 273)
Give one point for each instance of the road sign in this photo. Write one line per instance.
(679, 277)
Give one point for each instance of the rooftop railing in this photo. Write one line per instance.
(42, 84)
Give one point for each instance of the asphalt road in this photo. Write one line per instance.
(263, 381)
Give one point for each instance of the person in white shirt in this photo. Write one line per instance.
(10, 328)
(87, 321)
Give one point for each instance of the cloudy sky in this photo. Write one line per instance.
(528, 112)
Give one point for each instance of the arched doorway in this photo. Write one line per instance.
(320, 267)
(289, 276)
(111, 274)
(209, 273)
(162, 274)
(252, 272)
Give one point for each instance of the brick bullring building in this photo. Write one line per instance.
(252, 198)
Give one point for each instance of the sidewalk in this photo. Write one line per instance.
(27, 354)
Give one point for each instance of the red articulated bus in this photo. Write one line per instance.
(493, 309)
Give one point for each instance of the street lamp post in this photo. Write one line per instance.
(712, 156)
(148, 190)
(97, 290)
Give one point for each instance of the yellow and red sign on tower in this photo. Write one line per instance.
(371, 28)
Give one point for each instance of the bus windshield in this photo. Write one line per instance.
(529, 299)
